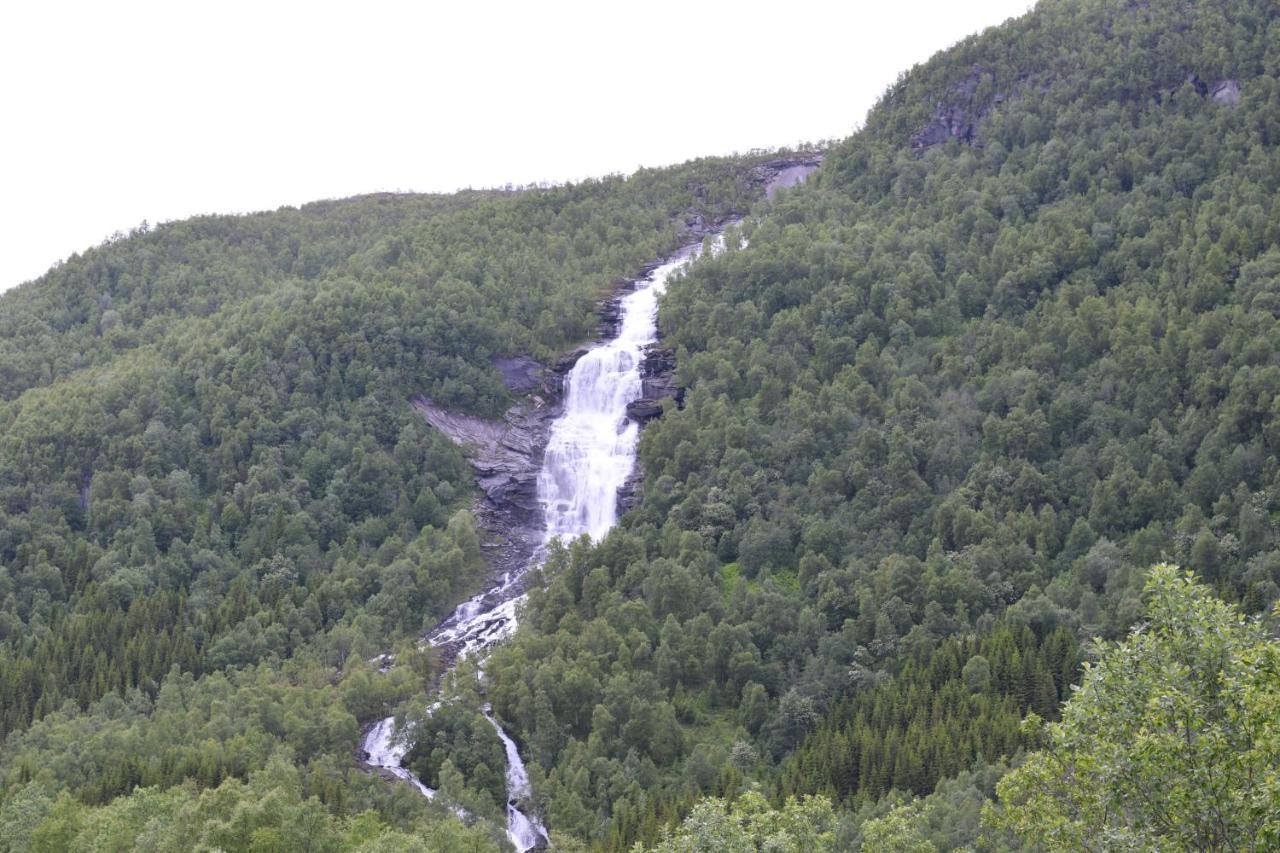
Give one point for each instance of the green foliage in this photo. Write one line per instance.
(453, 734)
(221, 726)
(942, 387)
(947, 819)
(929, 723)
(1171, 742)
(751, 825)
(896, 831)
(1013, 342)
(270, 812)
(217, 499)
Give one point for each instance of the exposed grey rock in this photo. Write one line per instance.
(960, 112)
(631, 495)
(644, 410)
(1223, 91)
(657, 374)
(1226, 92)
(506, 454)
(774, 175)
(610, 311)
(789, 174)
(769, 176)
(521, 374)
(695, 228)
(956, 116)
(471, 433)
(657, 383)
(566, 362)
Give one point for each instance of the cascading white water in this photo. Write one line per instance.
(592, 448)
(524, 831)
(589, 455)
(386, 752)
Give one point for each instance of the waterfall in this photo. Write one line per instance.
(590, 453)
(592, 447)
(524, 831)
(384, 751)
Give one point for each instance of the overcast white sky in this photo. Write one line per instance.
(116, 112)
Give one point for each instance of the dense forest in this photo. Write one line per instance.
(1013, 344)
(217, 505)
(903, 573)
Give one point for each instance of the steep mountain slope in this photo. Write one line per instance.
(217, 503)
(1013, 343)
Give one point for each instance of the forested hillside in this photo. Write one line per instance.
(1014, 343)
(948, 402)
(217, 503)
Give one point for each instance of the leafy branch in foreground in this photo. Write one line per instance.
(1172, 741)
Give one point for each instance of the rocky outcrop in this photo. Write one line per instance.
(958, 114)
(610, 314)
(565, 363)
(506, 454)
(657, 383)
(1226, 92)
(521, 374)
(788, 173)
(768, 177)
(631, 495)
(783, 172)
(501, 451)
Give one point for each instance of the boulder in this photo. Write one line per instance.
(644, 409)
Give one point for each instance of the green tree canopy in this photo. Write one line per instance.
(1172, 741)
(750, 825)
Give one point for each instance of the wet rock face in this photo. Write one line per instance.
(506, 454)
(657, 382)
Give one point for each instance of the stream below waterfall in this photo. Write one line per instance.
(589, 455)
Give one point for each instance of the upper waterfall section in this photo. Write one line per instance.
(592, 448)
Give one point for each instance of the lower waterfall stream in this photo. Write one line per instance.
(589, 455)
